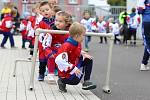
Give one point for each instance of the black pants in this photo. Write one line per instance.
(31, 47)
(6, 36)
(101, 39)
(42, 68)
(87, 69)
(132, 33)
(116, 39)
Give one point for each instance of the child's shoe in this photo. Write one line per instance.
(29, 57)
(56, 72)
(41, 78)
(144, 67)
(51, 77)
(62, 86)
(88, 85)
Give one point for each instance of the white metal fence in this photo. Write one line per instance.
(38, 31)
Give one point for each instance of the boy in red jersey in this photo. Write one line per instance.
(23, 28)
(6, 27)
(46, 12)
(72, 62)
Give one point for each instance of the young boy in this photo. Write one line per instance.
(6, 28)
(46, 11)
(72, 62)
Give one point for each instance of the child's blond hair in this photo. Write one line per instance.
(76, 29)
(67, 18)
(45, 3)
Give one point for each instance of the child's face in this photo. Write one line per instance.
(46, 11)
(80, 37)
(60, 22)
(86, 15)
(101, 19)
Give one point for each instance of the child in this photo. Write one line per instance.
(63, 21)
(87, 22)
(44, 39)
(6, 28)
(23, 27)
(102, 28)
(32, 25)
(72, 62)
(134, 21)
(114, 28)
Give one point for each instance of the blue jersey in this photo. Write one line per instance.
(144, 9)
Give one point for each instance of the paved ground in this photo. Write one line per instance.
(126, 81)
(17, 88)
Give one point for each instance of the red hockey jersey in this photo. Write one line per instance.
(6, 24)
(67, 58)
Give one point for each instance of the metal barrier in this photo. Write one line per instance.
(38, 31)
(20, 60)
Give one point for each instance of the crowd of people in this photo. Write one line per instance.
(62, 54)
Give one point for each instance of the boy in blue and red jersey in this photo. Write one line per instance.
(46, 12)
(72, 62)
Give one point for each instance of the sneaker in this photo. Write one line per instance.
(144, 68)
(86, 50)
(41, 78)
(29, 57)
(3, 47)
(62, 86)
(88, 85)
(56, 72)
(51, 77)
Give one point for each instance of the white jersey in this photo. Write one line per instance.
(87, 24)
(114, 28)
(101, 27)
(134, 21)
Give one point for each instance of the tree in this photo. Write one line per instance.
(117, 2)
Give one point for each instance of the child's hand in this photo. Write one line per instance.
(78, 72)
(86, 55)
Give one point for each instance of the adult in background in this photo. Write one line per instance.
(123, 17)
(144, 10)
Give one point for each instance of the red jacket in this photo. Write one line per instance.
(67, 58)
(23, 27)
(42, 25)
(57, 41)
(30, 29)
(7, 24)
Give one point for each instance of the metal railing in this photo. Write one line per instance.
(106, 87)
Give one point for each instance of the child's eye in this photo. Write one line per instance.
(47, 9)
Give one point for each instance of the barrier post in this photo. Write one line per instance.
(31, 85)
(106, 87)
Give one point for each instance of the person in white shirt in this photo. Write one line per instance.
(102, 28)
(87, 22)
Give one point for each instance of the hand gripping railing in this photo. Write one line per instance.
(38, 31)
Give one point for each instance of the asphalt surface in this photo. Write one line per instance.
(126, 81)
